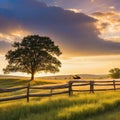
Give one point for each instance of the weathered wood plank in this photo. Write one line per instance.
(69, 85)
(70, 88)
(81, 84)
(103, 81)
(104, 89)
(28, 92)
(57, 93)
(12, 89)
(103, 84)
(13, 98)
(50, 87)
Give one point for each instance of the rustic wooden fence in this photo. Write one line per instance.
(69, 88)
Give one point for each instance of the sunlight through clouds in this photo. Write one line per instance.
(75, 10)
(109, 25)
(13, 35)
(87, 31)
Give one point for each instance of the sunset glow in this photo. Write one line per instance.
(87, 31)
(109, 25)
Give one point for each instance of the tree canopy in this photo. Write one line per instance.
(115, 73)
(33, 54)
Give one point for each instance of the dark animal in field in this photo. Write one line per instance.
(76, 77)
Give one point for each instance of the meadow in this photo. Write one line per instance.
(79, 106)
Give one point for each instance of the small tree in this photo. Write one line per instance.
(33, 54)
(115, 73)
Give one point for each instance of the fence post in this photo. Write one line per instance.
(70, 88)
(51, 91)
(28, 90)
(92, 86)
(114, 85)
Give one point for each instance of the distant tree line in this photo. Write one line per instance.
(115, 73)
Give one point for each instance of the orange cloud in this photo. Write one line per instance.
(108, 25)
(75, 33)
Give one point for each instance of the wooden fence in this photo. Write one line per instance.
(70, 87)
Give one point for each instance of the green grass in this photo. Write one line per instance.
(81, 106)
(78, 107)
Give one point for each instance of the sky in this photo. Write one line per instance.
(87, 31)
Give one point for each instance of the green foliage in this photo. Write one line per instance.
(33, 54)
(115, 73)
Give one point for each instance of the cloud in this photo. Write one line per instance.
(75, 33)
(4, 46)
(87, 6)
(108, 24)
(112, 7)
(75, 10)
(104, 14)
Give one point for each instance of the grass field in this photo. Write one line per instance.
(80, 106)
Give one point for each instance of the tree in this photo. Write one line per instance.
(115, 73)
(33, 54)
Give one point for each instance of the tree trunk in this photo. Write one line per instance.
(32, 77)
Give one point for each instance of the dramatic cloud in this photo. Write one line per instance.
(87, 6)
(109, 25)
(76, 33)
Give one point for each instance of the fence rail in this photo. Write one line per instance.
(69, 88)
(12, 89)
